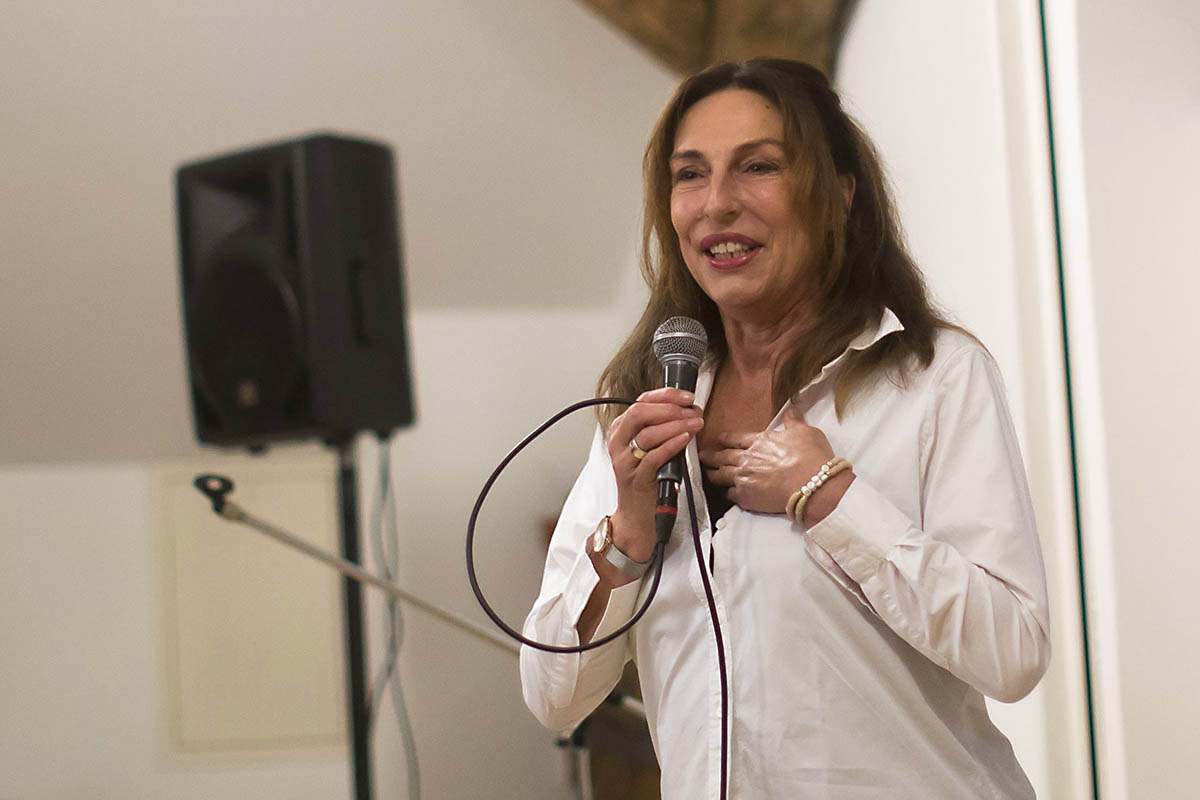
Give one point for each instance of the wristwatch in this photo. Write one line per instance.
(602, 545)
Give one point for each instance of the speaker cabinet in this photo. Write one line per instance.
(292, 292)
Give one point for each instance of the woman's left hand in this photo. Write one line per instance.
(763, 470)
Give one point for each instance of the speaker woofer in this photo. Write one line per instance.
(247, 352)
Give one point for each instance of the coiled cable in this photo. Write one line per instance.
(659, 549)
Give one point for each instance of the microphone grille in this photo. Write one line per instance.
(680, 337)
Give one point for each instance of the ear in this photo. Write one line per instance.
(848, 185)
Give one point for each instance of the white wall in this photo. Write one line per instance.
(519, 129)
(1127, 111)
(82, 688)
(952, 93)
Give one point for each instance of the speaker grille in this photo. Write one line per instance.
(247, 351)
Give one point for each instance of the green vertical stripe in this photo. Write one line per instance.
(1062, 300)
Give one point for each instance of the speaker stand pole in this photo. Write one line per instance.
(356, 662)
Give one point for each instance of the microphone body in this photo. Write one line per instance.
(678, 373)
(679, 345)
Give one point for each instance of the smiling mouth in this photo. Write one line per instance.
(729, 250)
(726, 255)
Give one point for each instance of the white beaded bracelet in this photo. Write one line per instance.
(795, 503)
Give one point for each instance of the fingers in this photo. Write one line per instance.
(652, 424)
(661, 426)
(647, 470)
(739, 441)
(722, 476)
(666, 394)
(653, 436)
(720, 465)
(641, 415)
(720, 458)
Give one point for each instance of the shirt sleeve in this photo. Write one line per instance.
(563, 688)
(965, 585)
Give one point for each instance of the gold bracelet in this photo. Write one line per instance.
(795, 503)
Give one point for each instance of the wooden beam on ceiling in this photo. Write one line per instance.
(687, 35)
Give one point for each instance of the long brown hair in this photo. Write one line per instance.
(860, 267)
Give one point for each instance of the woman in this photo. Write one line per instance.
(864, 617)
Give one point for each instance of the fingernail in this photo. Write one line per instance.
(688, 397)
(696, 422)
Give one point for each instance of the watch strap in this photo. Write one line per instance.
(634, 569)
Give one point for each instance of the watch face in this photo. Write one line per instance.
(600, 541)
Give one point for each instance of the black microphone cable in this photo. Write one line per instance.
(657, 557)
(662, 536)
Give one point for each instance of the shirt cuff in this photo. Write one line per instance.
(622, 602)
(581, 580)
(861, 530)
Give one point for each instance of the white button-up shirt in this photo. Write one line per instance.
(858, 651)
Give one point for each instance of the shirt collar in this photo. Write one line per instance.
(887, 323)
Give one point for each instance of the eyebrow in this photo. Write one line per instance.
(680, 155)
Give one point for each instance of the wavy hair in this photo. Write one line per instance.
(860, 266)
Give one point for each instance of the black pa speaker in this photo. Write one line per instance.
(292, 292)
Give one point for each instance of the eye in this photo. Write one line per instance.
(685, 174)
(762, 167)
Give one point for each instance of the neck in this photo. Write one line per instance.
(754, 345)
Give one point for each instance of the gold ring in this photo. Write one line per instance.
(638, 452)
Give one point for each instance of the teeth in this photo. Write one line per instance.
(729, 249)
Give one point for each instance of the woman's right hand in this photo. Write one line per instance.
(661, 422)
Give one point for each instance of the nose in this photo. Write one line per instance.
(721, 202)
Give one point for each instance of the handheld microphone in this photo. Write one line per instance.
(679, 345)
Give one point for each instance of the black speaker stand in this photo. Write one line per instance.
(359, 718)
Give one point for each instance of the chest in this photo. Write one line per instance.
(736, 407)
(764, 575)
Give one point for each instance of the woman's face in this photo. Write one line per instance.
(732, 206)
